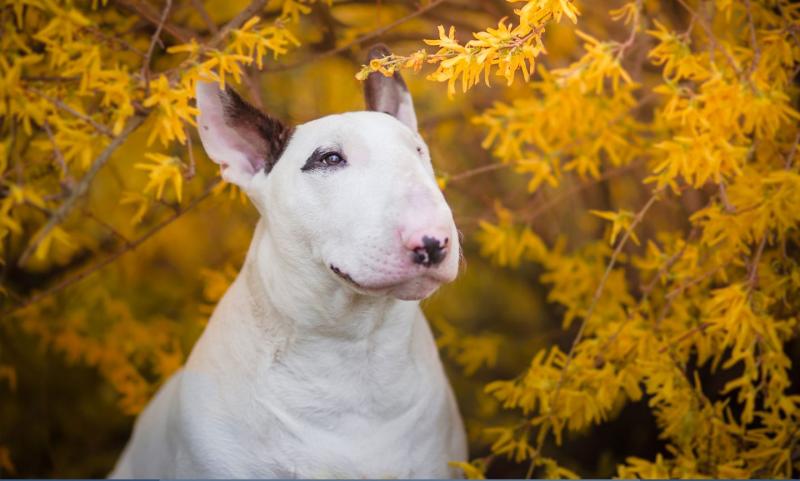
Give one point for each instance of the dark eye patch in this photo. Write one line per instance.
(324, 158)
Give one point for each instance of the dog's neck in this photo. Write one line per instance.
(304, 307)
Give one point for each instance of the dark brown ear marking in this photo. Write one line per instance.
(266, 133)
(381, 92)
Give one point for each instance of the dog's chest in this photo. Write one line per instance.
(375, 418)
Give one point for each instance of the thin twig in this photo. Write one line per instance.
(686, 335)
(358, 41)
(623, 47)
(108, 227)
(723, 196)
(249, 12)
(599, 292)
(753, 42)
(191, 170)
(153, 40)
(711, 38)
(556, 199)
(647, 290)
(114, 39)
(57, 153)
(477, 171)
(148, 13)
(130, 246)
(64, 209)
(752, 276)
(790, 158)
(60, 104)
(201, 9)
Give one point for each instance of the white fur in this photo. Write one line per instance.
(300, 373)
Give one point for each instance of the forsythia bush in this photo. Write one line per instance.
(638, 186)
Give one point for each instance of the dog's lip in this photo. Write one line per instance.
(344, 275)
(347, 278)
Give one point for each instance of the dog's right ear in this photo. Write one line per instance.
(389, 94)
(237, 136)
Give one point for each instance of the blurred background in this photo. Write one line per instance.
(91, 327)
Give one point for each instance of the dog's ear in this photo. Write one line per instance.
(237, 136)
(389, 94)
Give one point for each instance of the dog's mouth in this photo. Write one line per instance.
(345, 276)
(413, 287)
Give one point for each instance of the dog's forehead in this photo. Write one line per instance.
(366, 127)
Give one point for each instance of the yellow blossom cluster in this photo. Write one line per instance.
(630, 217)
(720, 294)
(503, 50)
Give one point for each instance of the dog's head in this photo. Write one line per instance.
(354, 193)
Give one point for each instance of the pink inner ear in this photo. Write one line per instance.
(250, 148)
(235, 145)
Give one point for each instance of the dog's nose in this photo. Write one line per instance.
(428, 248)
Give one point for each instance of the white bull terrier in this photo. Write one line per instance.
(317, 362)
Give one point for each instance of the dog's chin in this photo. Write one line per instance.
(414, 289)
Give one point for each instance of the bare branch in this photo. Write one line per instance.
(192, 169)
(478, 170)
(108, 227)
(66, 207)
(58, 103)
(723, 197)
(753, 42)
(752, 276)
(132, 245)
(364, 38)
(712, 40)
(153, 40)
(201, 9)
(148, 13)
(57, 153)
(790, 158)
(251, 10)
(600, 288)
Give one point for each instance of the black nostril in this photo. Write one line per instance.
(431, 253)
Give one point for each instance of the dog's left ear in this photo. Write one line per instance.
(389, 94)
(237, 136)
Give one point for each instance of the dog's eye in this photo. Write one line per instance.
(332, 158)
(322, 159)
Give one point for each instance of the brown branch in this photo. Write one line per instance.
(556, 199)
(189, 173)
(711, 38)
(201, 9)
(153, 40)
(477, 171)
(132, 245)
(723, 196)
(647, 290)
(64, 209)
(623, 47)
(790, 158)
(251, 10)
(148, 13)
(57, 153)
(60, 104)
(599, 291)
(364, 38)
(753, 42)
(752, 276)
(113, 39)
(686, 335)
(107, 226)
